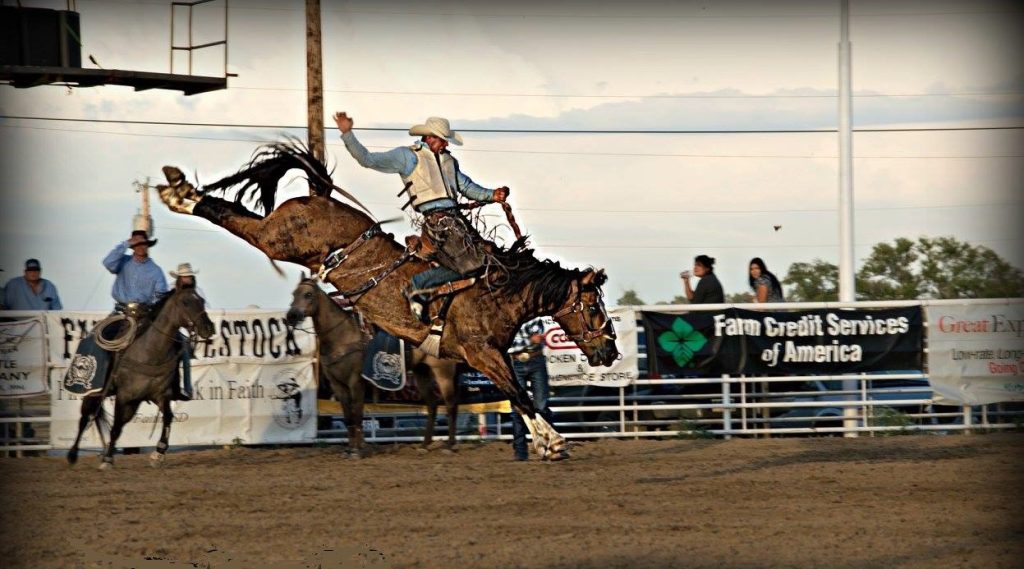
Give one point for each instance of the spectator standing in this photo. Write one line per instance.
(31, 291)
(709, 290)
(765, 285)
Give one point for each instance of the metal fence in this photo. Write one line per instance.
(835, 405)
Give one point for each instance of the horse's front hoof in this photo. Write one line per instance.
(448, 449)
(557, 456)
(72, 458)
(156, 460)
(106, 465)
(423, 450)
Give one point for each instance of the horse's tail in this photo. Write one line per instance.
(259, 178)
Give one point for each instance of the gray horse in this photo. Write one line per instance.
(342, 347)
(146, 371)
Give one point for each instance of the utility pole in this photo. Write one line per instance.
(314, 82)
(847, 281)
(143, 220)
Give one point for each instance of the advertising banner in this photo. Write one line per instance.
(253, 383)
(776, 342)
(568, 366)
(976, 353)
(22, 358)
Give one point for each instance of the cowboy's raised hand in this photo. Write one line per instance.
(501, 194)
(343, 121)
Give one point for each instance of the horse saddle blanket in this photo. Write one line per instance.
(89, 368)
(383, 363)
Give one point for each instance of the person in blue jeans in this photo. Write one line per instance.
(530, 368)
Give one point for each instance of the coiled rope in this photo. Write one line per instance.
(122, 340)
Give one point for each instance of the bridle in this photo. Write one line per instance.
(189, 325)
(581, 308)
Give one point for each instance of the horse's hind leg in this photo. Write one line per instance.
(357, 393)
(446, 380)
(156, 458)
(123, 413)
(425, 385)
(91, 404)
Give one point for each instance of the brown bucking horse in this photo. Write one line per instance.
(342, 347)
(145, 371)
(481, 320)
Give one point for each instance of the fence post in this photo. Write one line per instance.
(726, 407)
(743, 403)
(622, 409)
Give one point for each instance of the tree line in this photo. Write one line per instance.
(906, 269)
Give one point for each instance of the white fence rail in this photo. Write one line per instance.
(881, 403)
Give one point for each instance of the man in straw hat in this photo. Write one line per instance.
(433, 181)
(185, 277)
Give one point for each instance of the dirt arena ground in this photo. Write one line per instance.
(904, 501)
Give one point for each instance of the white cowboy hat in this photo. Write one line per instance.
(184, 270)
(438, 127)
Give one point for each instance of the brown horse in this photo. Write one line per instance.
(482, 320)
(342, 347)
(145, 371)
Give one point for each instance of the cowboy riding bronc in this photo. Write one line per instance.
(433, 181)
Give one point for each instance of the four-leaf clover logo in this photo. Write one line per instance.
(682, 341)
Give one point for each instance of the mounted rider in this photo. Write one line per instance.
(139, 283)
(433, 182)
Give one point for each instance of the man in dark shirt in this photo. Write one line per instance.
(709, 290)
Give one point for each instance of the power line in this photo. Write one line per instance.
(525, 131)
(634, 96)
(540, 152)
(585, 15)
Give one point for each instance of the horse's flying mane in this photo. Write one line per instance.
(547, 281)
(269, 163)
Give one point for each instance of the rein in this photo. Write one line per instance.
(508, 214)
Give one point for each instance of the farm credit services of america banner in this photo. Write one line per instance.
(253, 383)
(735, 341)
(976, 352)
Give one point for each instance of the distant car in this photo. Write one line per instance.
(879, 392)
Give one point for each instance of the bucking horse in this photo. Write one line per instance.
(372, 269)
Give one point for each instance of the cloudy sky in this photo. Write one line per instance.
(642, 204)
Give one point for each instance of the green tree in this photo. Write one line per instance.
(817, 281)
(677, 299)
(939, 267)
(889, 272)
(739, 298)
(629, 298)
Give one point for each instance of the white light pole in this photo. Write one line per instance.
(847, 282)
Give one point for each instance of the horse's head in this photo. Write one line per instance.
(191, 312)
(585, 321)
(304, 302)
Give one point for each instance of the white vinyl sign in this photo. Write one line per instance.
(976, 352)
(253, 383)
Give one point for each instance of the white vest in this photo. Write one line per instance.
(427, 183)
